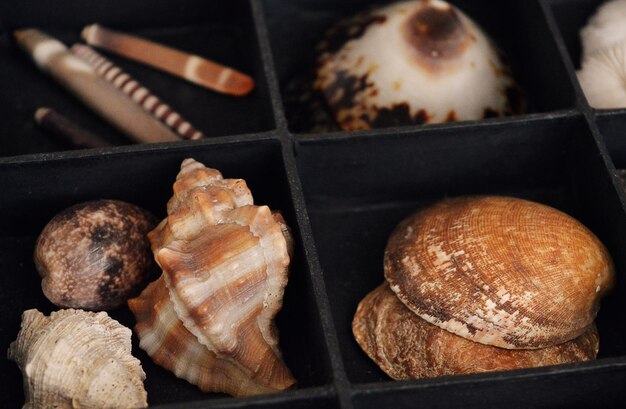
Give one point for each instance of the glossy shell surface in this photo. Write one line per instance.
(225, 265)
(405, 346)
(413, 62)
(77, 359)
(164, 337)
(501, 271)
(95, 255)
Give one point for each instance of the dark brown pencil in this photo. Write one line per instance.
(67, 130)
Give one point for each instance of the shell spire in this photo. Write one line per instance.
(225, 264)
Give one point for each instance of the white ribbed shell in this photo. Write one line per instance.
(77, 359)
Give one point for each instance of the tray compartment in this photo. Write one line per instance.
(220, 31)
(574, 388)
(34, 192)
(358, 189)
(516, 27)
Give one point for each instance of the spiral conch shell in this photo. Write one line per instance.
(75, 358)
(500, 271)
(407, 347)
(225, 263)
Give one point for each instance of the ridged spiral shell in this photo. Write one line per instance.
(225, 265)
(405, 346)
(77, 359)
(498, 270)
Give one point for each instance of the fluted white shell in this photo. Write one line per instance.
(605, 28)
(603, 77)
(225, 264)
(75, 358)
(405, 67)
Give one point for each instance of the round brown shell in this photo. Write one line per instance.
(405, 346)
(498, 270)
(95, 255)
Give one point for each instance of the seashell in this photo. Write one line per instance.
(74, 359)
(605, 28)
(602, 79)
(137, 92)
(225, 263)
(405, 346)
(413, 62)
(95, 255)
(193, 68)
(501, 271)
(52, 57)
(164, 337)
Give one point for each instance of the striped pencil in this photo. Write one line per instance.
(136, 91)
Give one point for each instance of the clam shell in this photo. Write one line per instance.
(225, 263)
(75, 358)
(500, 271)
(405, 346)
(413, 62)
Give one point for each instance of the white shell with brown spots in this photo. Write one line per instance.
(413, 62)
(405, 346)
(225, 265)
(95, 255)
(498, 270)
(77, 359)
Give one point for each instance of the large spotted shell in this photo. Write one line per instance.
(500, 271)
(77, 359)
(407, 347)
(225, 264)
(413, 62)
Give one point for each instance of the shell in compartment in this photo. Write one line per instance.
(407, 347)
(499, 270)
(225, 265)
(75, 358)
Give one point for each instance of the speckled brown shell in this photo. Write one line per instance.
(413, 62)
(95, 255)
(499, 270)
(225, 263)
(77, 359)
(405, 346)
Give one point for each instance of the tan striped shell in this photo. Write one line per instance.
(407, 347)
(225, 264)
(164, 337)
(499, 270)
(77, 359)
